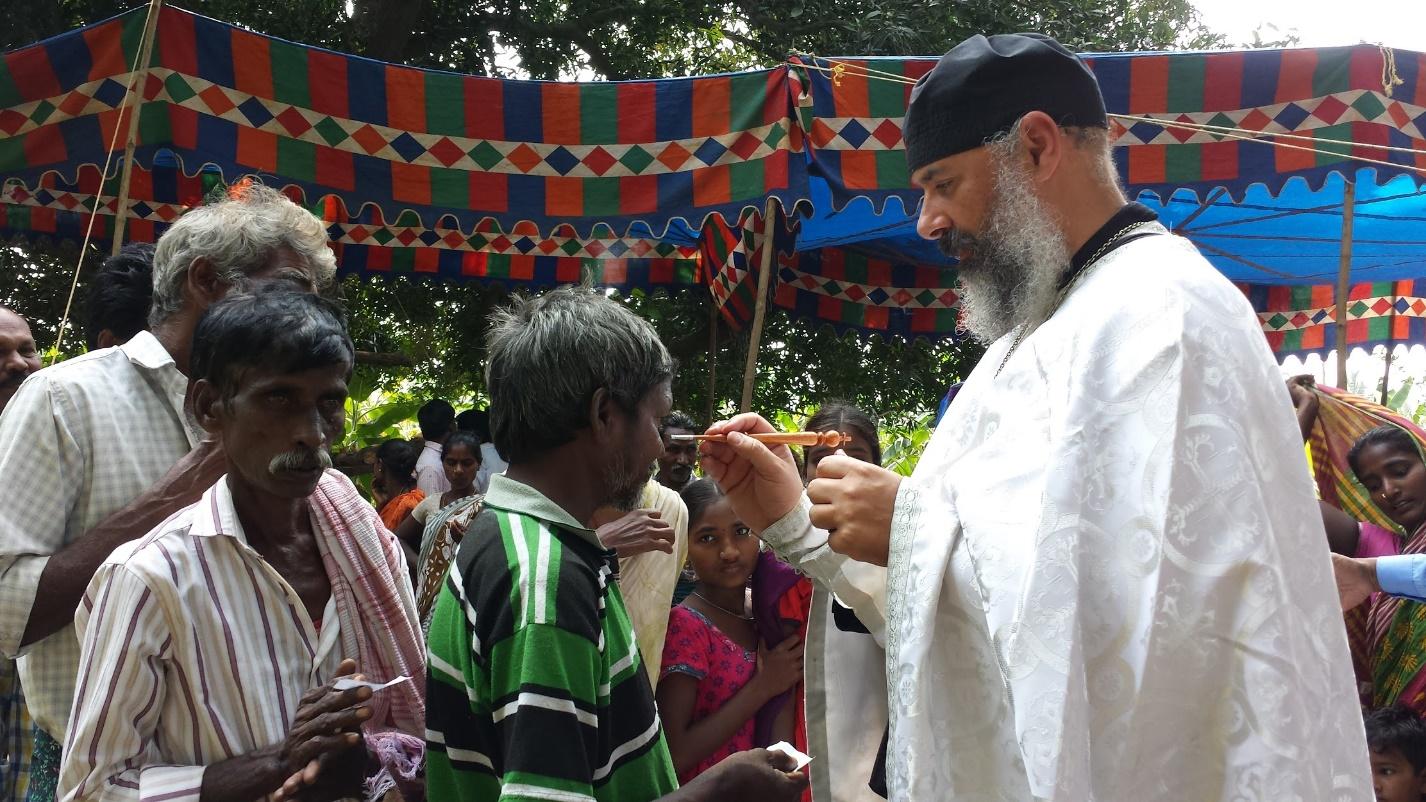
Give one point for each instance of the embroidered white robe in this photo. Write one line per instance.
(1108, 575)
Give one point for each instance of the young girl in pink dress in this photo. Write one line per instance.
(715, 677)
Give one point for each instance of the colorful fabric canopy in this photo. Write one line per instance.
(658, 183)
(1269, 217)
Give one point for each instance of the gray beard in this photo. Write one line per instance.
(628, 486)
(1010, 271)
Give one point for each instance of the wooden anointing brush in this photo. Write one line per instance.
(827, 439)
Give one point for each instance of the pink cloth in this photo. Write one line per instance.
(694, 646)
(1374, 541)
(371, 586)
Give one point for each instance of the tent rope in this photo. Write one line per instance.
(1389, 78)
(840, 69)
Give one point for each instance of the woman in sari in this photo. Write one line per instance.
(444, 523)
(1387, 465)
(394, 478)
(460, 459)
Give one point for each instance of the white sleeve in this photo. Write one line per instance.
(858, 585)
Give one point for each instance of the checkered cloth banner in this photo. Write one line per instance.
(854, 122)
(1300, 320)
(364, 242)
(645, 152)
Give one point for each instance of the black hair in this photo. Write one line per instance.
(678, 420)
(476, 421)
(435, 417)
(699, 495)
(399, 457)
(841, 416)
(465, 421)
(461, 437)
(120, 295)
(1398, 727)
(273, 328)
(546, 358)
(1384, 435)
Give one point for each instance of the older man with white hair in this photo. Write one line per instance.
(98, 450)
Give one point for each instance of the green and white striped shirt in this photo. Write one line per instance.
(536, 690)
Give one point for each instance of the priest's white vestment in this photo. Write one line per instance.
(1108, 575)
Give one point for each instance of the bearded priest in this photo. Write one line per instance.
(1107, 576)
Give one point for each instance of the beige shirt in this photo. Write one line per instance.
(647, 580)
(78, 442)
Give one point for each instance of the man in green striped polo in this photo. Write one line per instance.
(536, 690)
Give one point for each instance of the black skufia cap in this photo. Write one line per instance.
(987, 83)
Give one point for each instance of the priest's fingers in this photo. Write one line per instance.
(861, 543)
(747, 423)
(837, 466)
(762, 485)
(824, 514)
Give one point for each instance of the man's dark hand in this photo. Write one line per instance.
(190, 477)
(324, 747)
(757, 775)
(637, 532)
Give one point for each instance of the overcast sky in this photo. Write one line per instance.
(1395, 23)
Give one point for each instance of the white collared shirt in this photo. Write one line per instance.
(77, 442)
(430, 471)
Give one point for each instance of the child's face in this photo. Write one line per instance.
(1393, 778)
(722, 551)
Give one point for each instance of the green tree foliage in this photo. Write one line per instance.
(441, 325)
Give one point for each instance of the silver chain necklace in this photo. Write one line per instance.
(1074, 282)
(721, 607)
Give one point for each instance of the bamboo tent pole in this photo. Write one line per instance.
(1386, 375)
(712, 360)
(1344, 276)
(760, 308)
(128, 116)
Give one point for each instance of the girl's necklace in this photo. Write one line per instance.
(721, 607)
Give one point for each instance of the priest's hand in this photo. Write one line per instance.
(1356, 579)
(762, 483)
(853, 501)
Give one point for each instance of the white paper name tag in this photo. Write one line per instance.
(346, 684)
(791, 751)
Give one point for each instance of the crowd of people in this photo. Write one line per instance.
(1108, 577)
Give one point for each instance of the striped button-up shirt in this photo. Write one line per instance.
(78, 442)
(195, 650)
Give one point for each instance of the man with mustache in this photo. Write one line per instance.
(537, 689)
(100, 449)
(18, 359)
(1107, 578)
(213, 643)
(18, 355)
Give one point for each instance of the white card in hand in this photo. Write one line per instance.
(791, 751)
(346, 683)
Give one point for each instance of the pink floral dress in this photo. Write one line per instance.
(696, 647)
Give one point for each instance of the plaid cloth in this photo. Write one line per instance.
(1342, 418)
(16, 738)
